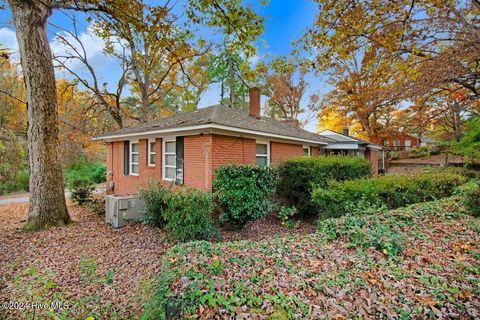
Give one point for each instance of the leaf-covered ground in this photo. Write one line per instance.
(97, 270)
(422, 261)
(417, 262)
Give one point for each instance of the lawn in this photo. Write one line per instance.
(420, 261)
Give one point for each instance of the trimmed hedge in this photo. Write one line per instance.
(186, 214)
(391, 191)
(242, 192)
(298, 177)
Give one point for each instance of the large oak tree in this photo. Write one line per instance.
(47, 199)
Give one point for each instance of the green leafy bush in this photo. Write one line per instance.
(285, 215)
(96, 171)
(472, 201)
(420, 152)
(242, 192)
(298, 177)
(390, 191)
(81, 190)
(184, 213)
(18, 183)
(156, 199)
(188, 215)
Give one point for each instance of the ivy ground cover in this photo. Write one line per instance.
(422, 261)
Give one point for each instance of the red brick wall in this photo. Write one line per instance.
(372, 156)
(283, 151)
(315, 151)
(130, 184)
(198, 161)
(202, 154)
(237, 150)
(401, 137)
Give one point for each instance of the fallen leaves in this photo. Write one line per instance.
(315, 279)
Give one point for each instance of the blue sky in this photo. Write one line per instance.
(285, 22)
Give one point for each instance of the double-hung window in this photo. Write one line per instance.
(134, 158)
(262, 153)
(169, 159)
(306, 151)
(151, 152)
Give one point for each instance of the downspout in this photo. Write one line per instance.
(111, 185)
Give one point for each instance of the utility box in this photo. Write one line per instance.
(122, 210)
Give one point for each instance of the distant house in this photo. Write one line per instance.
(344, 144)
(400, 142)
(186, 148)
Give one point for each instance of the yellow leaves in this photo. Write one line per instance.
(266, 271)
(427, 301)
(370, 278)
(462, 246)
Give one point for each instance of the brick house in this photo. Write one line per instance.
(401, 141)
(186, 148)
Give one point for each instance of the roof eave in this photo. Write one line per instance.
(205, 126)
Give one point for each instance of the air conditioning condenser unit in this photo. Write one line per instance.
(121, 210)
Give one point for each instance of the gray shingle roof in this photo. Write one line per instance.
(357, 140)
(220, 115)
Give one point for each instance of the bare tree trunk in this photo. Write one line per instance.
(47, 198)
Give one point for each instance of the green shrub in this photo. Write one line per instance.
(81, 190)
(156, 199)
(285, 215)
(188, 215)
(96, 172)
(18, 183)
(242, 192)
(299, 176)
(472, 201)
(420, 152)
(389, 191)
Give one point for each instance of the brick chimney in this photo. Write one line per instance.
(254, 107)
(292, 122)
(345, 132)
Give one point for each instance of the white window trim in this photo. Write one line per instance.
(150, 152)
(130, 158)
(267, 143)
(164, 153)
(309, 150)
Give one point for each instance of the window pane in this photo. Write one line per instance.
(135, 158)
(170, 173)
(152, 146)
(135, 168)
(170, 146)
(262, 161)
(305, 151)
(170, 159)
(261, 149)
(134, 147)
(152, 159)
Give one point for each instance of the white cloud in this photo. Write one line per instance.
(8, 40)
